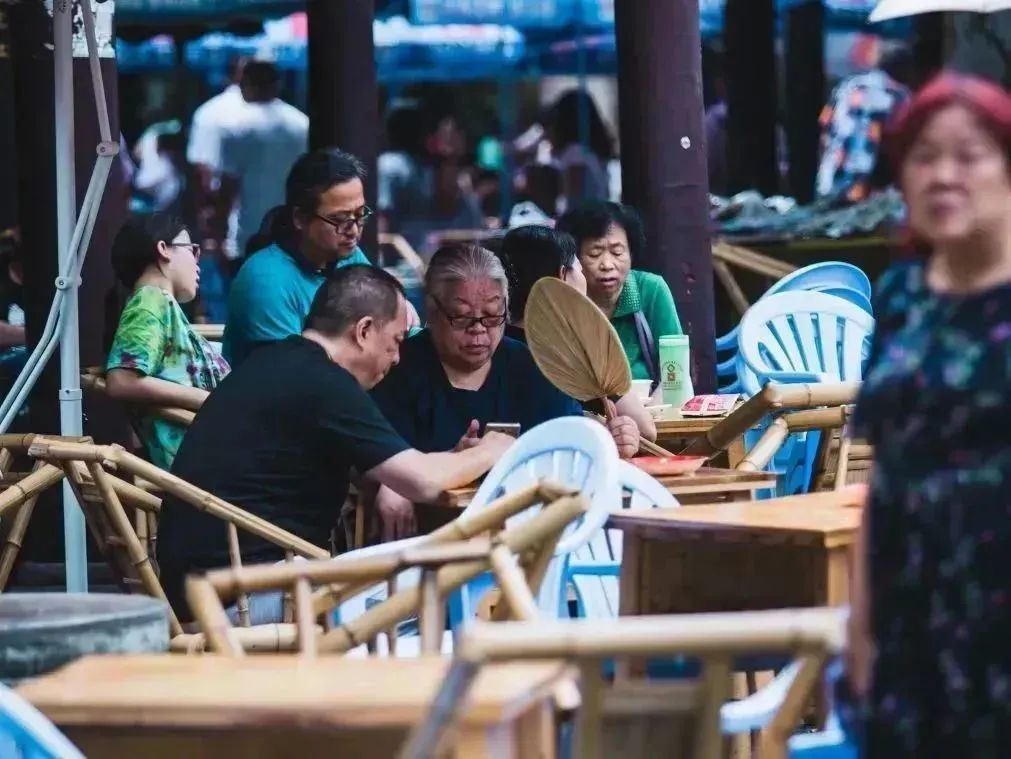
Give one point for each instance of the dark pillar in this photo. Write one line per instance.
(750, 41)
(928, 46)
(31, 39)
(8, 149)
(663, 158)
(805, 94)
(343, 92)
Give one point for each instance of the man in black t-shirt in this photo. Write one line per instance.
(279, 435)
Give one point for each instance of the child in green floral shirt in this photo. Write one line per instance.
(156, 357)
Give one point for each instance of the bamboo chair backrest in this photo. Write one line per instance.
(839, 461)
(688, 722)
(104, 497)
(93, 380)
(19, 491)
(517, 556)
(773, 398)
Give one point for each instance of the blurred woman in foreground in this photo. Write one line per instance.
(931, 616)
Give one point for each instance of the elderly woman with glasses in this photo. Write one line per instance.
(156, 357)
(462, 373)
(316, 231)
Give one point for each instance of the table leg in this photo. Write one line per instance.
(629, 589)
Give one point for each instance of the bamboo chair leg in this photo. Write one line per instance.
(306, 620)
(140, 525)
(715, 690)
(432, 616)
(785, 721)
(19, 526)
(235, 557)
(842, 464)
(287, 612)
(392, 635)
(207, 608)
(589, 721)
(138, 556)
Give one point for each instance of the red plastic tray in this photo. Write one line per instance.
(666, 466)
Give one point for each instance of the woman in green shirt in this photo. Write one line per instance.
(638, 303)
(156, 357)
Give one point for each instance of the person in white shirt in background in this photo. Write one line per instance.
(203, 153)
(257, 154)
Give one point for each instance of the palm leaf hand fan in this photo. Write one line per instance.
(575, 346)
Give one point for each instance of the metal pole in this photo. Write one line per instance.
(74, 541)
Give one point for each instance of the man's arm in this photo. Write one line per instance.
(422, 477)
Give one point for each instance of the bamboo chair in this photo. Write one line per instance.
(772, 399)
(839, 460)
(448, 558)
(209, 331)
(104, 497)
(726, 256)
(640, 719)
(93, 380)
(19, 492)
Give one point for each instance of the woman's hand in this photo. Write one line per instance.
(624, 431)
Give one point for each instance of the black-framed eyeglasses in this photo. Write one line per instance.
(464, 323)
(193, 246)
(348, 224)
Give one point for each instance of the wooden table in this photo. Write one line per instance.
(782, 553)
(279, 706)
(707, 485)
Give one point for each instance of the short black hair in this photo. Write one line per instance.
(351, 293)
(531, 253)
(591, 220)
(136, 244)
(260, 75)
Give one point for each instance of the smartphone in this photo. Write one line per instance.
(512, 430)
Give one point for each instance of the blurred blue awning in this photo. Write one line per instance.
(201, 11)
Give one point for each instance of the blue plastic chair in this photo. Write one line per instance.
(26, 732)
(833, 277)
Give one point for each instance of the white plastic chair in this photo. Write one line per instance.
(803, 337)
(26, 732)
(595, 568)
(572, 451)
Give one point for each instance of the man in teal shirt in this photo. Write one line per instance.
(315, 232)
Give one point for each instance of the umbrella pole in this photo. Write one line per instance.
(66, 211)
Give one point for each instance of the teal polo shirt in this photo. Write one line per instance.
(270, 297)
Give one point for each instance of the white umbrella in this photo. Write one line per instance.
(888, 9)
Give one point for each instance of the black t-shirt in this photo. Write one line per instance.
(277, 437)
(432, 415)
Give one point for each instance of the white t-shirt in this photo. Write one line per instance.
(222, 110)
(596, 183)
(260, 151)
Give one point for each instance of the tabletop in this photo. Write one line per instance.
(331, 692)
(705, 480)
(828, 518)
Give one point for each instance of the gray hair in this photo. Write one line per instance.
(453, 264)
